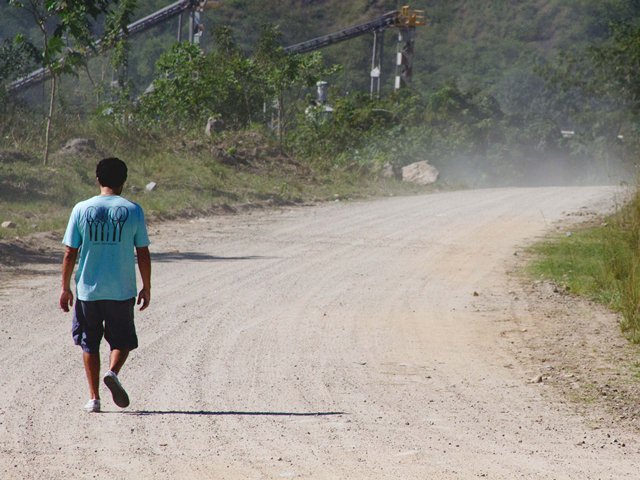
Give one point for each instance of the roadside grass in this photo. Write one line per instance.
(600, 262)
(194, 175)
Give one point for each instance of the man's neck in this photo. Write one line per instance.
(108, 191)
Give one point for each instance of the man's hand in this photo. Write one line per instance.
(144, 298)
(66, 300)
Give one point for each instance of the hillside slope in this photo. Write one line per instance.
(477, 44)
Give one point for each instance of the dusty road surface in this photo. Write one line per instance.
(344, 341)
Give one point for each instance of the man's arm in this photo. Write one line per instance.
(144, 265)
(68, 263)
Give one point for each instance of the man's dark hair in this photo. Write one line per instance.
(111, 172)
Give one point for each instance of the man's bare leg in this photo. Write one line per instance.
(117, 359)
(92, 368)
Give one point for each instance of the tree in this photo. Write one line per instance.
(17, 57)
(191, 86)
(602, 92)
(618, 63)
(281, 71)
(179, 91)
(66, 29)
(115, 39)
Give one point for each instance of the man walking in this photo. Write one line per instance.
(104, 231)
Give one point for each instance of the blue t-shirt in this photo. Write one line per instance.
(106, 229)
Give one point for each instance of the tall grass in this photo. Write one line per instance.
(626, 266)
(601, 262)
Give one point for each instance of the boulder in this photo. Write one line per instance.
(214, 124)
(421, 173)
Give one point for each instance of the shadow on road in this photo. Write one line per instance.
(196, 256)
(17, 255)
(231, 413)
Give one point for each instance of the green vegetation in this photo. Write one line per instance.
(65, 31)
(195, 175)
(578, 263)
(487, 105)
(601, 263)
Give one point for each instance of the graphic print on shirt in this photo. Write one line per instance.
(106, 224)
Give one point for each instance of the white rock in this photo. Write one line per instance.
(151, 186)
(214, 124)
(8, 224)
(421, 173)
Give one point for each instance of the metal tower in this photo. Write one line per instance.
(406, 22)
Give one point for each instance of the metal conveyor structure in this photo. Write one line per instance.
(135, 28)
(404, 19)
(385, 21)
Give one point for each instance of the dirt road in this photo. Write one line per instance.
(368, 340)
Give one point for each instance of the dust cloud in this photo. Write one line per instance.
(533, 172)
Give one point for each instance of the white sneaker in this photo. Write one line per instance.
(92, 406)
(120, 397)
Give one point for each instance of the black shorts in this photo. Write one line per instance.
(112, 319)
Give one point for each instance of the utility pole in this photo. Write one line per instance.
(376, 62)
(407, 22)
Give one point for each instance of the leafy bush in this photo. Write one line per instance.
(191, 85)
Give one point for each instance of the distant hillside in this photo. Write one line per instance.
(484, 45)
(478, 43)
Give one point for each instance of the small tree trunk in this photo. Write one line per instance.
(280, 117)
(49, 118)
